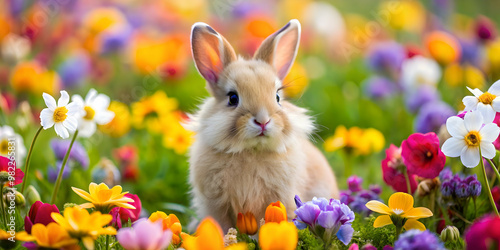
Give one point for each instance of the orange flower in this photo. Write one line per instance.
(208, 236)
(275, 212)
(169, 222)
(246, 223)
(443, 47)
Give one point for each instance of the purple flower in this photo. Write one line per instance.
(74, 70)
(461, 190)
(331, 215)
(354, 183)
(446, 174)
(77, 153)
(432, 116)
(416, 239)
(377, 87)
(471, 52)
(346, 197)
(144, 234)
(417, 98)
(376, 189)
(386, 57)
(447, 189)
(52, 171)
(115, 39)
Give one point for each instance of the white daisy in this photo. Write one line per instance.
(488, 103)
(418, 71)
(95, 111)
(62, 116)
(468, 136)
(10, 140)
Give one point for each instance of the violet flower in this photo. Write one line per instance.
(77, 153)
(432, 116)
(386, 57)
(416, 239)
(144, 234)
(377, 87)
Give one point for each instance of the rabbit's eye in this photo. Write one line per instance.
(277, 97)
(233, 99)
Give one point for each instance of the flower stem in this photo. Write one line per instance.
(107, 241)
(407, 178)
(398, 231)
(28, 158)
(59, 177)
(494, 168)
(4, 217)
(488, 185)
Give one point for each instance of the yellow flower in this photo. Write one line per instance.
(175, 136)
(99, 21)
(120, 125)
(169, 222)
(32, 78)
(275, 212)
(356, 140)
(281, 236)
(296, 81)
(443, 47)
(149, 110)
(456, 75)
(81, 225)
(51, 236)
(406, 15)
(372, 141)
(208, 236)
(103, 198)
(246, 223)
(400, 212)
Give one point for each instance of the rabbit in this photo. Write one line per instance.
(251, 146)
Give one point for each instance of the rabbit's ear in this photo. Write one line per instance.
(280, 48)
(211, 52)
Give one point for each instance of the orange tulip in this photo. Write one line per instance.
(443, 47)
(246, 223)
(169, 222)
(275, 212)
(208, 236)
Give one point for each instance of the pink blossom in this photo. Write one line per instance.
(422, 155)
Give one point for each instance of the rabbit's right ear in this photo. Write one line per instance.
(211, 52)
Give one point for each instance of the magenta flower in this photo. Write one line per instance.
(481, 236)
(122, 215)
(422, 155)
(392, 171)
(144, 235)
(39, 213)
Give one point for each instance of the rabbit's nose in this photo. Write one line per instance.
(262, 125)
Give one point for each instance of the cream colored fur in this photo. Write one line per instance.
(234, 170)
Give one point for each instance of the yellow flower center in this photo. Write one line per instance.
(487, 98)
(90, 113)
(60, 114)
(472, 139)
(4, 147)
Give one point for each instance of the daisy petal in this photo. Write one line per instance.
(487, 112)
(378, 207)
(74, 108)
(476, 92)
(489, 132)
(47, 118)
(488, 150)
(470, 157)
(470, 102)
(456, 127)
(70, 123)
(78, 99)
(382, 220)
(86, 128)
(89, 99)
(453, 147)
(63, 100)
(473, 120)
(414, 224)
(495, 88)
(496, 104)
(49, 101)
(104, 117)
(61, 131)
(101, 101)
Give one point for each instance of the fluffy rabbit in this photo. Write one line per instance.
(251, 146)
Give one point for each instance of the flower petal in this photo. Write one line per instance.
(401, 201)
(378, 207)
(78, 100)
(82, 194)
(89, 99)
(101, 101)
(496, 104)
(345, 233)
(487, 112)
(489, 133)
(470, 157)
(495, 88)
(414, 224)
(453, 147)
(382, 220)
(61, 130)
(417, 213)
(470, 102)
(70, 123)
(473, 120)
(49, 101)
(476, 92)
(456, 127)
(64, 99)
(488, 150)
(104, 117)
(47, 118)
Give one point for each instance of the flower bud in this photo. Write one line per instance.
(450, 234)
(32, 195)
(4, 177)
(426, 186)
(275, 212)
(20, 200)
(354, 183)
(474, 188)
(246, 223)
(461, 190)
(447, 189)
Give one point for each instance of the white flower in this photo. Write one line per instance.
(62, 116)
(9, 139)
(418, 71)
(95, 110)
(468, 136)
(488, 103)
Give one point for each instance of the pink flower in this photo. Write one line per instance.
(15, 177)
(144, 234)
(392, 171)
(122, 215)
(481, 236)
(496, 143)
(422, 155)
(39, 213)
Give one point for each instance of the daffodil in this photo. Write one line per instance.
(283, 235)
(51, 236)
(400, 212)
(103, 198)
(488, 103)
(81, 225)
(208, 236)
(469, 137)
(95, 111)
(63, 115)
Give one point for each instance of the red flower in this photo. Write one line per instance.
(484, 234)
(422, 155)
(122, 215)
(13, 174)
(39, 213)
(392, 167)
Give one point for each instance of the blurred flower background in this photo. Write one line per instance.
(372, 73)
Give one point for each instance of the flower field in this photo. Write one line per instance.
(121, 124)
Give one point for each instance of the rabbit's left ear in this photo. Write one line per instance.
(280, 48)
